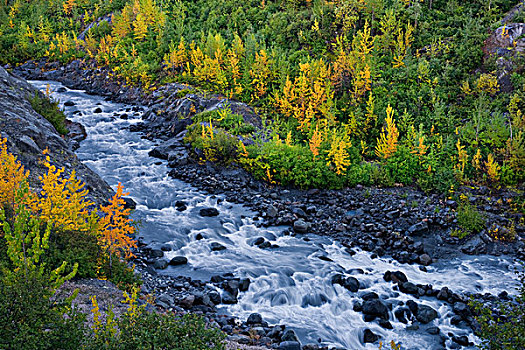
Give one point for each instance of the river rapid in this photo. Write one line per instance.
(290, 284)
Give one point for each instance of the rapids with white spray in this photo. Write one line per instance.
(290, 284)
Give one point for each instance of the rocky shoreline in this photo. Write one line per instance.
(403, 223)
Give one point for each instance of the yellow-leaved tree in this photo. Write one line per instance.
(116, 229)
(387, 141)
(12, 175)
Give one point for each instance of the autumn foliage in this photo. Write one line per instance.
(61, 204)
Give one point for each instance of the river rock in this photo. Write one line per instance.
(69, 103)
(254, 319)
(215, 246)
(178, 260)
(369, 336)
(426, 314)
(300, 226)
(418, 229)
(244, 284)
(425, 259)
(351, 283)
(461, 340)
(188, 301)
(408, 288)
(160, 264)
(289, 345)
(289, 335)
(208, 212)
(375, 308)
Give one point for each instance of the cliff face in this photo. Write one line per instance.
(28, 134)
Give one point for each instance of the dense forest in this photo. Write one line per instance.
(389, 93)
(350, 92)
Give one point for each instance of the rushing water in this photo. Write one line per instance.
(290, 284)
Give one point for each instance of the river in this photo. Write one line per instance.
(290, 284)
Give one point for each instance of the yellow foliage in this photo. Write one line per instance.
(68, 6)
(12, 175)
(116, 227)
(476, 160)
(420, 149)
(309, 97)
(492, 168)
(337, 154)
(487, 83)
(462, 157)
(403, 43)
(387, 141)
(260, 73)
(63, 202)
(315, 141)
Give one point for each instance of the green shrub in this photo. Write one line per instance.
(147, 330)
(49, 110)
(469, 218)
(32, 318)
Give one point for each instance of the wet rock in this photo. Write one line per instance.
(425, 259)
(161, 264)
(375, 308)
(208, 212)
(69, 103)
(369, 336)
(351, 283)
(97, 110)
(272, 211)
(461, 340)
(408, 288)
(254, 319)
(289, 335)
(461, 309)
(244, 284)
(433, 330)
(165, 247)
(215, 246)
(398, 277)
(228, 298)
(289, 345)
(178, 260)
(300, 226)
(402, 314)
(156, 253)
(385, 324)
(443, 294)
(426, 314)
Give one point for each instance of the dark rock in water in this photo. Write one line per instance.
(417, 229)
(208, 212)
(259, 241)
(97, 110)
(129, 203)
(254, 319)
(402, 314)
(215, 297)
(244, 284)
(161, 264)
(433, 330)
(375, 308)
(351, 283)
(369, 336)
(69, 103)
(300, 226)
(358, 306)
(461, 340)
(165, 247)
(188, 301)
(443, 294)
(228, 298)
(425, 259)
(475, 246)
(179, 260)
(398, 277)
(385, 324)
(387, 276)
(408, 288)
(426, 314)
(369, 296)
(413, 306)
(272, 211)
(289, 335)
(156, 253)
(124, 116)
(61, 89)
(289, 345)
(325, 258)
(215, 246)
(461, 309)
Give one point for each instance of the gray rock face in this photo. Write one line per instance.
(28, 134)
(426, 314)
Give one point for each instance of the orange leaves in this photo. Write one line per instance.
(115, 228)
(12, 175)
(387, 141)
(315, 141)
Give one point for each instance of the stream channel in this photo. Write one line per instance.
(289, 285)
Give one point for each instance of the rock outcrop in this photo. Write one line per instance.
(28, 134)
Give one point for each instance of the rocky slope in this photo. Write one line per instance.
(28, 134)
